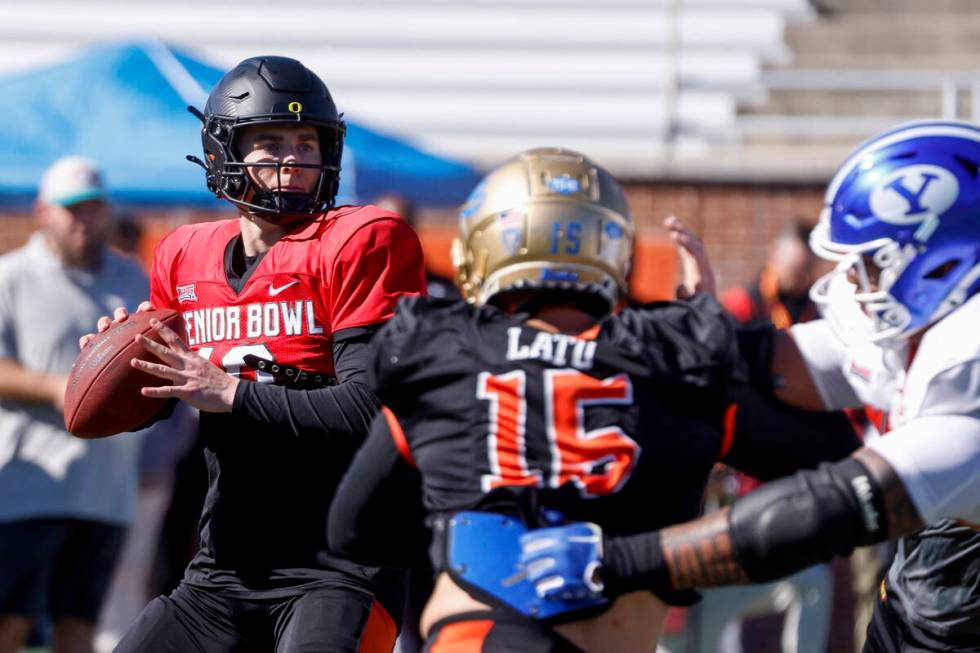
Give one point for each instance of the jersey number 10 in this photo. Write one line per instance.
(598, 462)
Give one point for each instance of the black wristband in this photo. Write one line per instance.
(636, 562)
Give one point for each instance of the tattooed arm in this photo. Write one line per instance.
(779, 529)
(792, 524)
(700, 553)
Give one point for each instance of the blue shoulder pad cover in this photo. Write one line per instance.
(483, 552)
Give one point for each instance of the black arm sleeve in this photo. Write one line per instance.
(755, 345)
(637, 562)
(773, 439)
(377, 516)
(344, 409)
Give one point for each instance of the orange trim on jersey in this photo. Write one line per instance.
(589, 334)
(379, 632)
(728, 434)
(738, 302)
(462, 637)
(769, 289)
(398, 435)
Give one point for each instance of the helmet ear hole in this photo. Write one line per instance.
(233, 185)
(971, 167)
(942, 270)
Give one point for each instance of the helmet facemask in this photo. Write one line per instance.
(865, 311)
(877, 308)
(270, 91)
(228, 175)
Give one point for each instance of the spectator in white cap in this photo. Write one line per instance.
(64, 502)
(73, 211)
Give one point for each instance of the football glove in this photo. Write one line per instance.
(564, 562)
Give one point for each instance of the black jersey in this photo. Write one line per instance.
(620, 426)
(935, 582)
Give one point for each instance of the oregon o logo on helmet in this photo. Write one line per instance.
(908, 195)
(295, 107)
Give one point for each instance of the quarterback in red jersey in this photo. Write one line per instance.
(277, 307)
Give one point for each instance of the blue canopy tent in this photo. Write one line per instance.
(125, 107)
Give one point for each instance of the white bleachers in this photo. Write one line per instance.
(462, 69)
(465, 77)
(637, 113)
(369, 26)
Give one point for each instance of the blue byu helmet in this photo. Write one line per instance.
(903, 213)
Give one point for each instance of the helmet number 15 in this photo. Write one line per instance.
(597, 462)
(566, 238)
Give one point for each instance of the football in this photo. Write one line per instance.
(103, 394)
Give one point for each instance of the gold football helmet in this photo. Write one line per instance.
(548, 218)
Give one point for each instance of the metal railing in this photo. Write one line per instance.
(949, 84)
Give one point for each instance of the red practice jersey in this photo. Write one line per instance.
(346, 269)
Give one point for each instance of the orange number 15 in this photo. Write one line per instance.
(598, 462)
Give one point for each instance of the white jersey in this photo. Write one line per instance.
(932, 402)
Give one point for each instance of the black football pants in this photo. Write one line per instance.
(198, 620)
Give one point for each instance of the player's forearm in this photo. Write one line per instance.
(21, 384)
(344, 410)
(772, 439)
(779, 529)
(775, 366)
(901, 516)
(701, 553)
(791, 378)
(695, 554)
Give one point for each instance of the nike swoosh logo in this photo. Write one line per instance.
(273, 291)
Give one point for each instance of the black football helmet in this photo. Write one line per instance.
(269, 90)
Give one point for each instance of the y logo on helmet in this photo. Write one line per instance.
(909, 195)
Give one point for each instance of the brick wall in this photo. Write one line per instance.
(737, 222)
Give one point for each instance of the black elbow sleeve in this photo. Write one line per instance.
(755, 347)
(810, 517)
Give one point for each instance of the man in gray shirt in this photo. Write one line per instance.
(64, 502)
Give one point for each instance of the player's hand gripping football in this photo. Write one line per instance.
(118, 315)
(696, 273)
(194, 379)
